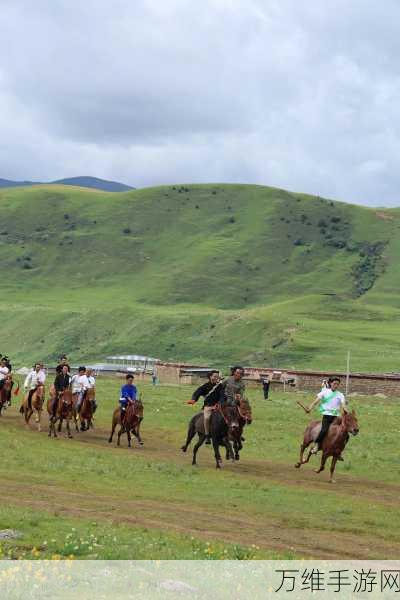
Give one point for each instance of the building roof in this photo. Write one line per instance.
(137, 357)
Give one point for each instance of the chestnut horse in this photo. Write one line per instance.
(36, 406)
(5, 392)
(131, 423)
(63, 412)
(333, 443)
(86, 412)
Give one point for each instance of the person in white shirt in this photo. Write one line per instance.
(4, 371)
(80, 385)
(34, 379)
(331, 405)
(92, 386)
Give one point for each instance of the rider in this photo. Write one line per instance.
(331, 405)
(33, 380)
(4, 371)
(128, 394)
(61, 383)
(80, 386)
(63, 361)
(211, 394)
(92, 385)
(233, 387)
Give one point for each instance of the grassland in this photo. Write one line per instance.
(217, 273)
(86, 498)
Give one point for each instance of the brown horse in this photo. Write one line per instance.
(63, 412)
(131, 423)
(333, 443)
(86, 412)
(224, 426)
(245, 418)
(36, 406)
(5, 392)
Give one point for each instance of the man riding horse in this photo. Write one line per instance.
(211, 392)
(128, 394)
(61, 382)
(33, 381)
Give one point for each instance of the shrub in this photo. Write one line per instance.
(127, 230)
(298, 242)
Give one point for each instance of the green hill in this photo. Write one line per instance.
(210, 273)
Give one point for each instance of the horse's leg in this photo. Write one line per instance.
(138, 432)
(322, 465)
(332, 469)
(28, 415)
(190, 435)
(120, 432)
(200, 442)
(301, 457)
(128, 435)
(113, 426)
(68, 427)
(218, 459)
(38, 415)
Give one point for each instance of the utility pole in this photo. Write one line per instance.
(348, 372)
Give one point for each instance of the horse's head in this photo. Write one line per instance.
(138, 407)
(231, 414)
(40, 391)
(350, 422)
(66, 396)
(245, 410)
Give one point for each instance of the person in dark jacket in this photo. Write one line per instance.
(265, 383)
(210, 391)
(63, 361)
(62, 382)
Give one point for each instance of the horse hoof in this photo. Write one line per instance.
(297, 465)
(332, 481)
(183, 448)
(141, 443)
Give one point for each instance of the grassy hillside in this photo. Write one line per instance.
(216, 273)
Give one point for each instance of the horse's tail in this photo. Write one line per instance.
(16, 391)
(21, 409)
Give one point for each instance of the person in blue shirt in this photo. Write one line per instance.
(128, 393)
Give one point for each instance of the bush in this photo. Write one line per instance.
(298, 242)
(232, 220)
(322, 223)
(27, 266)
(127, 230)
(66, 216)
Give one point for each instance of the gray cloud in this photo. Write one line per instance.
(297, 95)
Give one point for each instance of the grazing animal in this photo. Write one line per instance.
(36, 406)
(130, 424)
(63, 412)
(224, 424)
(333, 443)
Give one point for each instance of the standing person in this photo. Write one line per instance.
(265, 381)
(61, 382)
(154, 376)
(211, 393)
(80, 386)
(128, 394)
(63, 362)
(34, 379)
(331, 405)
(233, 387)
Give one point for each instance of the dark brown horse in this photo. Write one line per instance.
(333, 443)
(245, 418)
(130, 424)
(5, 392)
(63, 412)
(36, 406)
(86, 412)
(224, 426)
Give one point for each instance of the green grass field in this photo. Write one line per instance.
(88, 499)
(205, 273)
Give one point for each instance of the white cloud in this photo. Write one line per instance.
(297, 95)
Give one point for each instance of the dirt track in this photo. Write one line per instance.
(268, 532)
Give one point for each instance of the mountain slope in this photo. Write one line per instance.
(85, 181)
(198, 272)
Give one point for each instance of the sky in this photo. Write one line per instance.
(297, 94)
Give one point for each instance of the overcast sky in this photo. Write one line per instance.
(299, 94)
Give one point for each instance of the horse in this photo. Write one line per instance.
(5, 392)
(245, 418)
(131, 422)
(224, 424)
(86, 411)
(333, 443)
(36, 406)
(63, 412)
